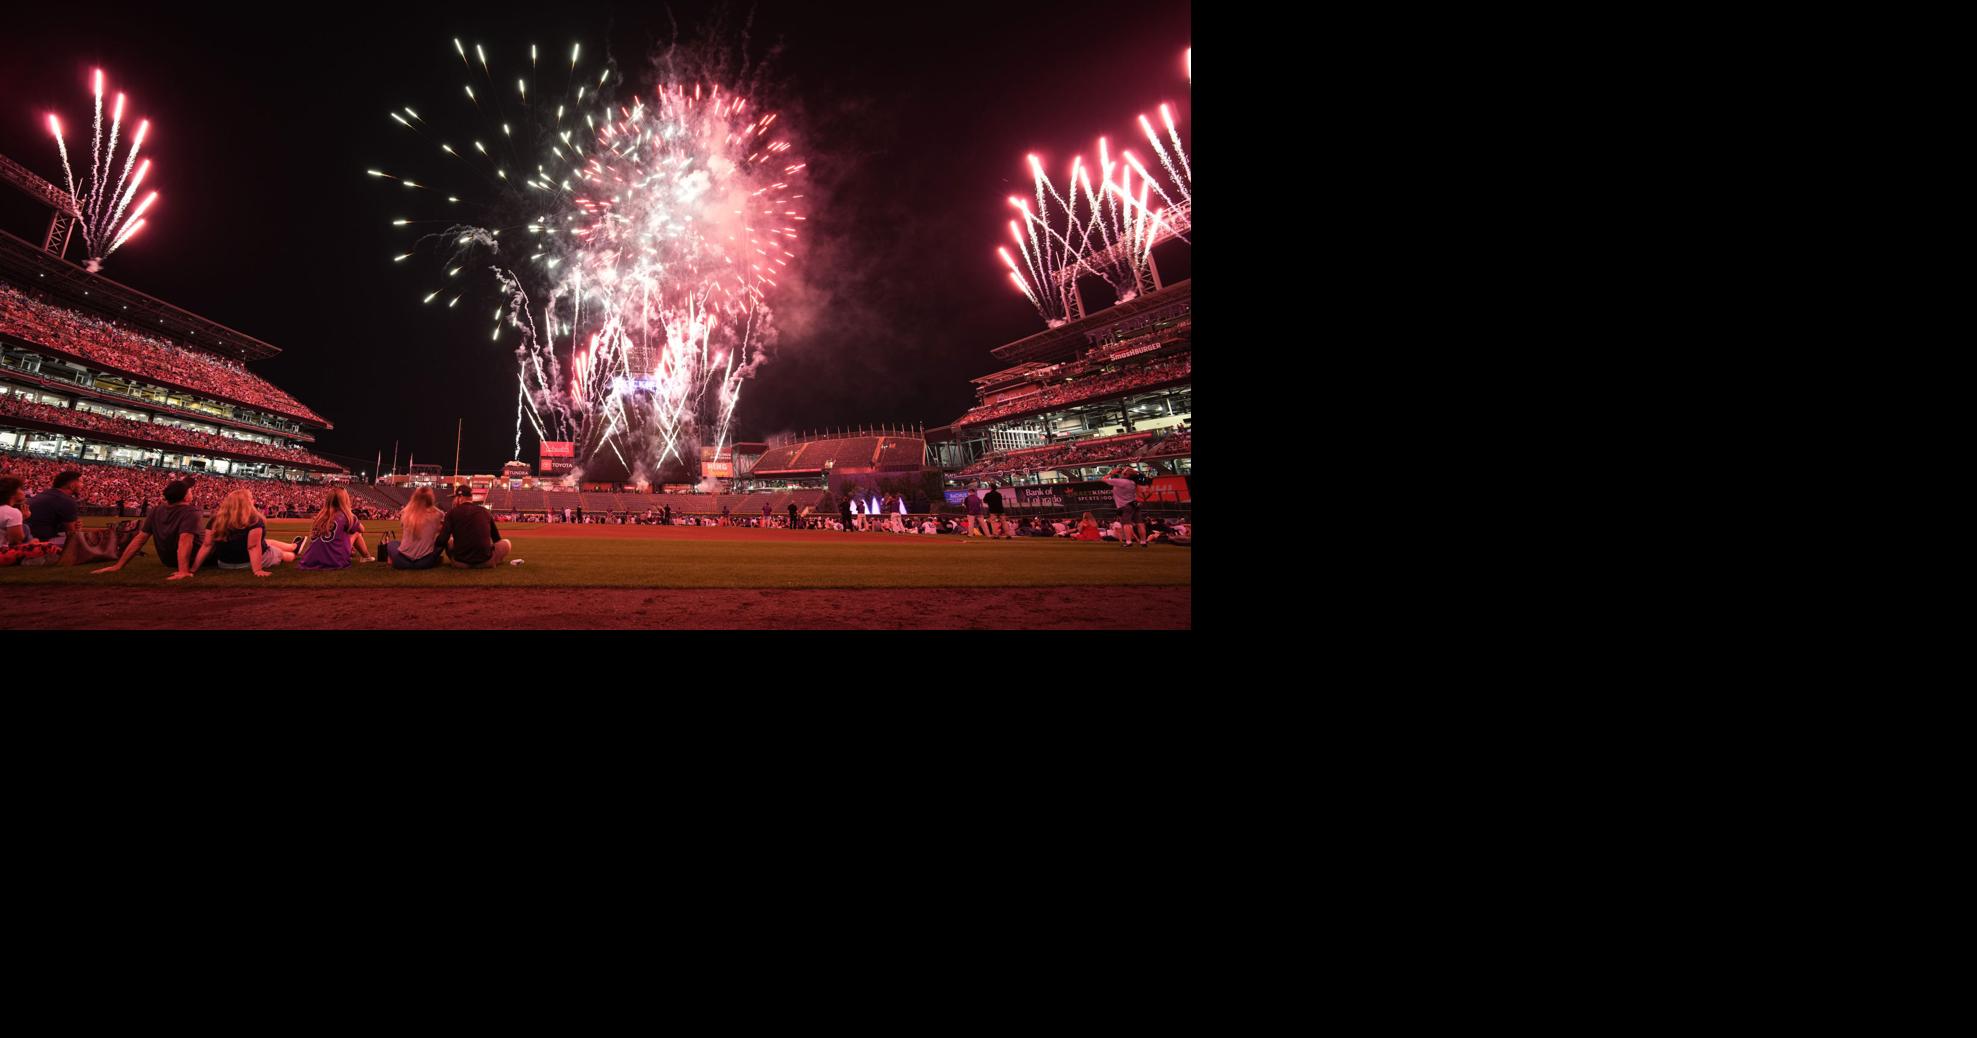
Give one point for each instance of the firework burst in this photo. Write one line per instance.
(636, 239)
(1105, 228)
(102, 210)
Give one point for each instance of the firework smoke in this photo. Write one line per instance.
(637, 248)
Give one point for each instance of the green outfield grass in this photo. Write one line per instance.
(607, 556)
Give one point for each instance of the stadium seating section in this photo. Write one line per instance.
(66, 388)
(1091, 388)
(14, 406)
(103, 343)
(105, 484)
(1133, 447)
(682, 504)
(896, 453)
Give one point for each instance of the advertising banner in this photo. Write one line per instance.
(1166, 490)
(1060, 497)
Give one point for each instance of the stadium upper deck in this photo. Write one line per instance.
(810, 458)
(1113, 386)
(52, 326)
(79, 379)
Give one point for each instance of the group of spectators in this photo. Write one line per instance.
(1090, 529)
(1177, 444)
(234, 534)
(987, 515)
(133, 490)
(19, 406)
(111, 345)
(133, 394)
(1124, 380)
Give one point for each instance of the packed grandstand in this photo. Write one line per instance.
(1080, 398)
(83, 387)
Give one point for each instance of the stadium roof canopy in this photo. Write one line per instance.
(32, 267)
(1009, 374)
(1062, 342)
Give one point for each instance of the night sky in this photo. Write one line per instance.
(915, 120)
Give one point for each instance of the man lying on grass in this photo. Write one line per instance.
(468, 534)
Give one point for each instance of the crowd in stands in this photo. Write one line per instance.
(240, 418)
(1162, 337)
(106, 343)
(16, 405)
(1124, 380)
(137, 488)
(1177, 444)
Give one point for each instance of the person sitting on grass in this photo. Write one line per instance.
(13, 526)
(53, 515)
(335, 536)
(175, 526)
(1087, 528)
(237, 538)
(419, 548)
(468, 536)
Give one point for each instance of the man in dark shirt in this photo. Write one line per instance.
(792, 515)
(175, 526)
(998, 522)
(52, 515)
(468, 536)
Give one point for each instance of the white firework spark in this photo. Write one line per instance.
(103, 211)
(643, 248)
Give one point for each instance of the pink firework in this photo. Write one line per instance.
(102, 208)
(642, 254)
(1106, 227)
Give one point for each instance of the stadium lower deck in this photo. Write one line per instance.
(649, 578)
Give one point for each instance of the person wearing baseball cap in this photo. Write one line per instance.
(468, 535)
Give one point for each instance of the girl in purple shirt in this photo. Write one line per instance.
(334, 536)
